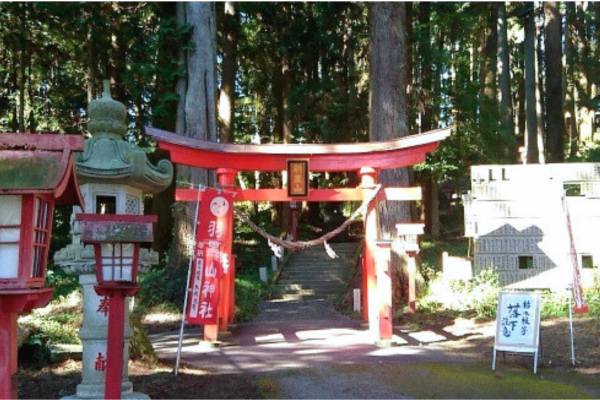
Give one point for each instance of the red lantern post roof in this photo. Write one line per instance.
(402, 152)
(40, 163)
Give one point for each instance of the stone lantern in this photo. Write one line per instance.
(36, 172)
(408, 235)
(114, 175)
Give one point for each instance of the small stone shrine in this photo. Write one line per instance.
(113, 175)
(515, 215)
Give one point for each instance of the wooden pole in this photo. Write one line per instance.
(368, 182)
(114, 346)
(8, 355)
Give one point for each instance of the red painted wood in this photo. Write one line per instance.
(13, 302)
(384, 290)
(226, 179)
(371, 224)
(340, 194)
(114, 346)
(406, 151)
(8, 355)
(232, 292)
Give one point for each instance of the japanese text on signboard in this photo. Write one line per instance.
(518, 318)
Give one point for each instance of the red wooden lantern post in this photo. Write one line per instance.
(116, 239)
(36, 172)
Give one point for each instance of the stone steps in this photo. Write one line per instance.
(310, 274)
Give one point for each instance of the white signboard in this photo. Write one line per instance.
(518, 324)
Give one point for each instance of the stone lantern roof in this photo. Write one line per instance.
(107, 158)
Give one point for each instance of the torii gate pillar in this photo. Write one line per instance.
(370, 307)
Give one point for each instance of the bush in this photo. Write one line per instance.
(58, 322)
(248, 293)
(63, 283)
(161, 289)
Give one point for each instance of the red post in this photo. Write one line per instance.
(114, 346)
(232, 292)
(116, 332)
(13, 302)
(8, 355)
(363, 290)
(368, 182)
(293, 228)
(226, 179)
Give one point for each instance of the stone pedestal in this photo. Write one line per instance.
(93, 334)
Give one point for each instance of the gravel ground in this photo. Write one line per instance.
(297, 310)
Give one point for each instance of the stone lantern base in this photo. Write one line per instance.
(93, 336)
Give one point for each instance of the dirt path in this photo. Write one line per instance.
(306, 350)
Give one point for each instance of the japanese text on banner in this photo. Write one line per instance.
(210, 260)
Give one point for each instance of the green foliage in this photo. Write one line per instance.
(555, 304)
(248, 293)
(58, 322)
(587, 153)
(63, 283)
(161, 289)
(592, 298)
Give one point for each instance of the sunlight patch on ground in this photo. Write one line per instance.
(161, 317)
(338, 335)
(275, 337)
(463, 326)
(392, 351)
(427, 336)
(311, 351)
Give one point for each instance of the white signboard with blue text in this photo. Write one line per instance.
(518, 324)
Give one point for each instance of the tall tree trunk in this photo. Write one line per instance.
(430, 202)
(22, 48)
(389, 114)
(488, 100)
(227, 90)
(530, 87)
(569, 78)
(388, 108)
(286, 135)
(555, 125)
(585, 78)
(507, 128)
(197, 116)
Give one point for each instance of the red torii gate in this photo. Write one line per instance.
(365, 158)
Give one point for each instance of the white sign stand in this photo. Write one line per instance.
(518, 324)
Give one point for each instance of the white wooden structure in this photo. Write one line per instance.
(515, 216)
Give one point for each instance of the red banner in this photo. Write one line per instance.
(580, 305)
(211, 257)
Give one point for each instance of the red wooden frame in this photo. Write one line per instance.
(33, 253)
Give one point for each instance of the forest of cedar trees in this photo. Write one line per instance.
(503, 75)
